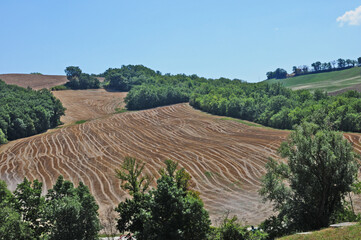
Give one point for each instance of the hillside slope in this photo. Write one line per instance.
(33, 80)
(225, 158)
(329, 81)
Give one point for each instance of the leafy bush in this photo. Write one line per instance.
(58, 88)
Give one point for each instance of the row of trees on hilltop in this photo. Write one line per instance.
(316, 67)
(79, 80)
(268, 104)
(25, 112)
(279, 107)
(307, 193)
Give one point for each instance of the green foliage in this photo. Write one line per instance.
(231, 229)
(80, 122)
(25, 112)
(279, 73)
(36, 73)
(171, 211)
(72, 72)
(31, 206)
(130, 175)
(79, 80)
(149, 96)
(65, 213)
(3, 139)
(279, 107)
(59, 88)
(308, 190)
(72, 211)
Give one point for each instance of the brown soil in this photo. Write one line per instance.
(36, 81)
(225, 158)
(33, 80)
(89, 104)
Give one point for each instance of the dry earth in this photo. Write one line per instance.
(225, 158)
(33, 80)
(36, 81)
(88, 104)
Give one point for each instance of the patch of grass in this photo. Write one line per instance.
(252, 124)
(80, 121)
(120, 110)
(208, 174)
(329, 81)
(352, 232)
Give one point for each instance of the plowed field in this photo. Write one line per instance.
(225, 158)
(33, 80)
(89, 104)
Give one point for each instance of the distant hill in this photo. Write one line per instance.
(35, 81)
(329, 81)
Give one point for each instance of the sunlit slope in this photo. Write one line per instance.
(330, 81)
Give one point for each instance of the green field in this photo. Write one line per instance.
(329, 81)
(353, 232)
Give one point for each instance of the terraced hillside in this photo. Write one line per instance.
(225, 158)
(330, 81)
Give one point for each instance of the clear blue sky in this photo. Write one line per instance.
(234, 39)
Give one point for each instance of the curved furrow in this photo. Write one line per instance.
(225, 158)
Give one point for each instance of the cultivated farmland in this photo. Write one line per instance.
(34, 81)
(225, 158)
(89, 104)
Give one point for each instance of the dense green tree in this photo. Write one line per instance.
(321, 170)
(2, 137)
(25, 112)
(359, 61)
(79, 80)
(171, 211)
(31, 205)
(72, 72)
(316, 66)
(72, 212)
(12, 225)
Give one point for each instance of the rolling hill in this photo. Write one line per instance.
(34, 81)
(329, 81)
(225, 158)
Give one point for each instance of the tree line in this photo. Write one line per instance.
(25, 112)
(268, 104)
(316, 67)
(279, 107)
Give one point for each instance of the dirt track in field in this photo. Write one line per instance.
(89, 104)
(225, 158)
